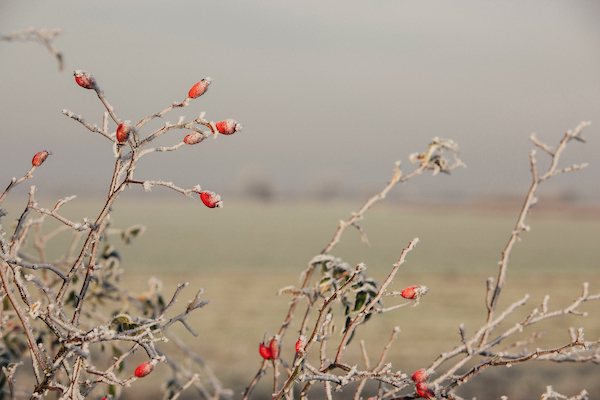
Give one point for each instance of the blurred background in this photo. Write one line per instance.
(330, 95)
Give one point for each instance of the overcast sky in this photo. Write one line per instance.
(327, 91)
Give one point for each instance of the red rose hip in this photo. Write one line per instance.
(211, 199)
(414, 292)
(265, 352)
(84, 79)
(228, 127)
(123, 132)
(425, 390)
(300, 344)
(274, 347)
(420, 376)
(193, 138)
(143, 369)
(199, 88)
(39, 158)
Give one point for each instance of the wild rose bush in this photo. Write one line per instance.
(63, 316)
(52, 309)
(329, 281)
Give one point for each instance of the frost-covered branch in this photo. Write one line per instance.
(530, 201)
(42, 36)
(58, 299)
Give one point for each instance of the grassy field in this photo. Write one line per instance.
(244, 253)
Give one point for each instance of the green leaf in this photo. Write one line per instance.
(132, 232)
(360, 301)
(122, 319)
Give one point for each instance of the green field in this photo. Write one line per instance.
(242, 254)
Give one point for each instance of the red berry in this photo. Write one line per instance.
(425, 391)
(39, 158)
(228, 127)
(199, 88)
(265, 352)
(144, 369)
(414, 292)
(123, 132)
(409, 292)
(274, 347)
(193, 138)
(300, 344)
(84, 79)
(211, 199)
(420, 376)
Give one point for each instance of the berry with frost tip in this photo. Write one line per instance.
(425, 390)
(199, 88)
(274, 347)
(39, 158)
(84, 79)
(123, 132)
(265, 352)
(143, 369)
(414, 292)
(300, 344)
(211, 199)
(193, 138)
(421, 375)
(228, 127)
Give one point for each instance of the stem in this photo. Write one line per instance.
(529, 202)
(13, 301)
(313, 338)
(358, 215)
(366, 309)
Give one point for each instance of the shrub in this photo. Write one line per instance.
(64, 314)
(329, 281)
(66, 311)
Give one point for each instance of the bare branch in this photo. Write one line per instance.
(43, 36)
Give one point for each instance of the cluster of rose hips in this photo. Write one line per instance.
(210, 199)
(270, 352)
(225, 127)
(420, 377)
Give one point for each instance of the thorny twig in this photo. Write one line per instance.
(434, 152)
(530, 201)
